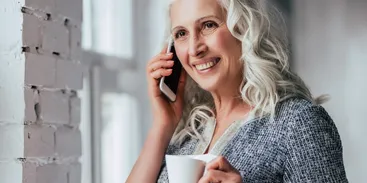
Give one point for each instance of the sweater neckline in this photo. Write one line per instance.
(223, 140)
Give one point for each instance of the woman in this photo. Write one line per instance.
(241, 102)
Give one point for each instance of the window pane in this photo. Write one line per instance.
(112, 27)
(119, 136)
(87, 25)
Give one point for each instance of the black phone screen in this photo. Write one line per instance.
(172, 80)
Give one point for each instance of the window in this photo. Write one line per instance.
(112, 27)
(110, 124)
(120, 129)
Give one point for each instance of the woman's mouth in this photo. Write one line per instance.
(208, 65)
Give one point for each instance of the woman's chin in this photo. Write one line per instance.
(209, 86)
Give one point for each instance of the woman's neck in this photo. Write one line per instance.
(229, 107)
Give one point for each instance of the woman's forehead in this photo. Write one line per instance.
(188, 11)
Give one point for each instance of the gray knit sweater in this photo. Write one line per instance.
(301, 144)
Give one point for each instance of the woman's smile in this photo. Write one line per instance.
(206, 65)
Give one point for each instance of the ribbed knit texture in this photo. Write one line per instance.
(301, 144)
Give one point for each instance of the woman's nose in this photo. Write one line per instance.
(196, 47)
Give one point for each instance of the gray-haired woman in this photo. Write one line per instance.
(241, 101)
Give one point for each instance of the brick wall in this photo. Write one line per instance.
(38, 91)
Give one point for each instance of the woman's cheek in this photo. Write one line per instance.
(182, 57)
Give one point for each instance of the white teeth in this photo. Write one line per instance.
(205, 65)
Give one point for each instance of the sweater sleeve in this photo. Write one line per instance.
(314, 149)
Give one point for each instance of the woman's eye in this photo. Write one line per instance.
(180, 34)
(210, 25)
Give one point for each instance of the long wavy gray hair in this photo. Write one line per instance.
(267, 78)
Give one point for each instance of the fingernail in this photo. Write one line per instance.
(170, 62)
(170, 53)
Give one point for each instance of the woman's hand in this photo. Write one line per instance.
(165, 114)
(220, 170)
(166, 117)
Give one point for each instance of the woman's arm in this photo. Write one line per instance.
(314, 147)
(166, 117)
(148, 165)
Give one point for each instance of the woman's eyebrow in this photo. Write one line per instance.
(196, 21)
(206, 17)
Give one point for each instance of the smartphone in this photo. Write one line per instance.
(169, 84)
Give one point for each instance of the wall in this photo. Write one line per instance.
(39, 106)
(330, 42)
(11, 92)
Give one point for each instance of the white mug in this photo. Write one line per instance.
(186, 169)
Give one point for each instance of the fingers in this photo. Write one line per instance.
(220, 170)
(164, 49)
(181, 84)
(214, 176)
(157, 66)
(183, 76)
(160, 73)
(220, 163)
(160, 64)
(161, 56)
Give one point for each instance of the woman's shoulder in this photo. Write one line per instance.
(304, 117)
(312, 138)
(296, 107)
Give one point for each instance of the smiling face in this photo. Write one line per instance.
(206, 48)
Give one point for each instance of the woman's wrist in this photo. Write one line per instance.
(164, 123)
(163, 131)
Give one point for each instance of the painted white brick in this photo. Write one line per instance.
(40, 70)
(11, 83)
(19, 140)
(55, 37)
(51, 173)
(31, 31)
(69, 74)
(11, 172)
(68, 142)
(75, 112)
(11, 141)
(75, 43)
(30, 97)
(54, 107)
(44, 5)
(29, 173)
(39, 141)
(75, 172)
(11, 91)
(70, 8)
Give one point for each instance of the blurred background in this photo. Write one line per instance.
(328, 43)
